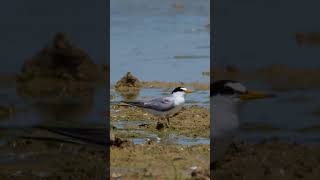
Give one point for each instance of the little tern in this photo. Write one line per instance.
(164, 106)
(226, 95)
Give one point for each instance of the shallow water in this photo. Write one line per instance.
(157, 137)
(290, 116)
(156, 42)
(266, 38)
(47, 112)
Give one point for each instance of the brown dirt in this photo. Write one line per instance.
(270, 160)
(190, 121)
(155, 161)
(307, 38)
(161, 161)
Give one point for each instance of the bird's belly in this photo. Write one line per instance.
(174, 110)
(164, 113)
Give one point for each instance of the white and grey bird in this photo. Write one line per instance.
(226, 96)
(164, 107)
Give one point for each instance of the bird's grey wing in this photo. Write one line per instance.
(158, 104)
(161, 104)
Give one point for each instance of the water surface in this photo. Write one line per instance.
(157, 42)
(255, 34)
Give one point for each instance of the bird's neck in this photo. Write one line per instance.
(178, 98)
(225, 103)
(224, 114)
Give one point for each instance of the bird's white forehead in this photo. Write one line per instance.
(236, 86)
(184, 89)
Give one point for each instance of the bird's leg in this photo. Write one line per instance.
(162, 119)
(160, 124)
(159, 120)
(168, 122)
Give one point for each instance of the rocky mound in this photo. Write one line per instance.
(128, 81)
(61, 60)
(128, 86)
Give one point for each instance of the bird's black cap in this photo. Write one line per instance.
(177, 89)
(220, 87)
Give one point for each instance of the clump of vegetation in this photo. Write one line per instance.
(59, 69)
(128, 86)
(128, 81)
(61, 60)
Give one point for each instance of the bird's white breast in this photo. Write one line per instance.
(224, 115)
(224, 122)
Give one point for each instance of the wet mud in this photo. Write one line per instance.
(144, 148)
(41, 155)
(192, 121)
(270, 159)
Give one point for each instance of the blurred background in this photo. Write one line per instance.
(29, 27)
(272, 46)
(49, 53)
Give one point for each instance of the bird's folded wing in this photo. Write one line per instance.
(158, 104)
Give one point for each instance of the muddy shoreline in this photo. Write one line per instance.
(41, 158)
(159, 153)
(191, 121)
(270, 159)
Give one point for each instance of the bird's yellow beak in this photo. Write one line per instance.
(251, 95)
(188, 91)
